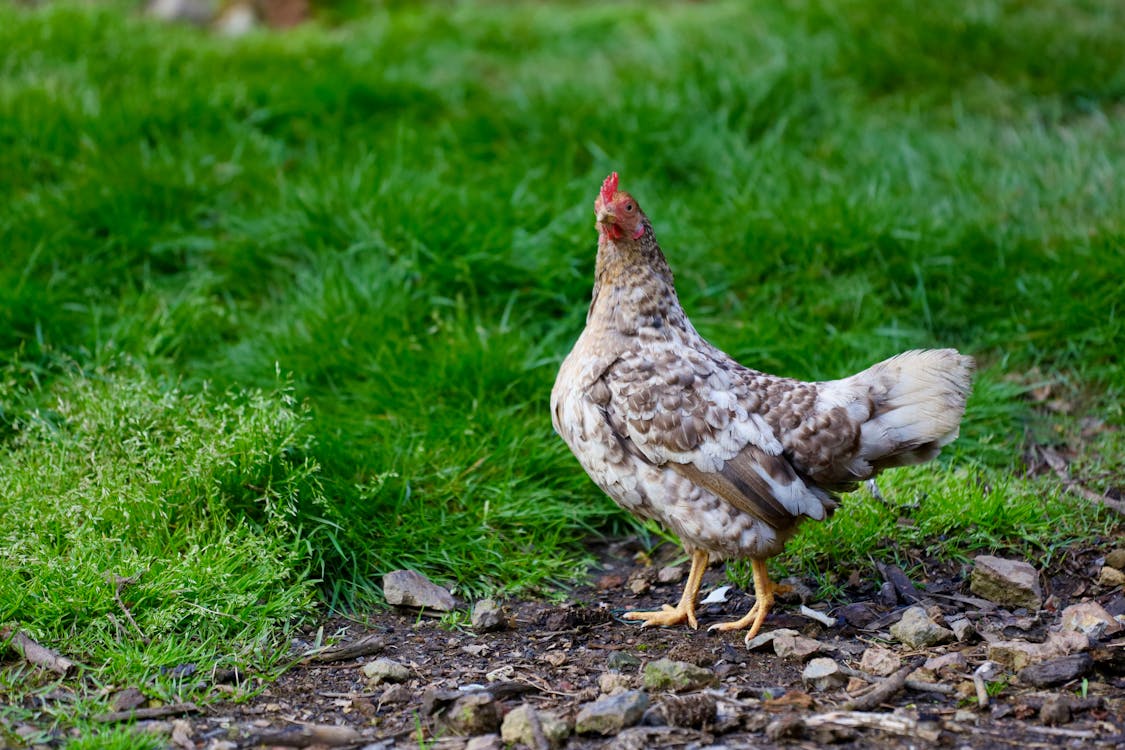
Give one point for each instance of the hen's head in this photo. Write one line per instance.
(617, 214)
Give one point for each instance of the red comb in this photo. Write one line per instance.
(609, 187)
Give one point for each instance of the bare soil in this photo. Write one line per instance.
(553, 655)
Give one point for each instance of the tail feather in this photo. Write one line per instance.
(917, 399)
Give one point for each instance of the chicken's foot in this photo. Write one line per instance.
(764, 590)
(685, 609)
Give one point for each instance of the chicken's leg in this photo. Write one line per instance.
(685, 610)
(763, 600)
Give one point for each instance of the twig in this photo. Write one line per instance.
(1059, 465)
(882, 691)
(175, 709)
(985, 671)
(40, 656)
(119, 583)
(930, 687)
(820, 617)
(369, 644)
(892, 723)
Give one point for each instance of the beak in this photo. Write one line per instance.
(606, 216)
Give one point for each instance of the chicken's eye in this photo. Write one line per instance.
(629, 207)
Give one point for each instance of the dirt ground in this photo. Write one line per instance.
(554, 657)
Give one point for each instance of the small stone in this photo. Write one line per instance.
(385, 670)
(796, 646)
(917, 630)
(1116, 558)
(880, 661)
(1057, 671)
(677, 676)
(487, 616)
(671, 574)
(408, 588)
(1055, 710)
(689, 710)
(888, 596)
(1012, 583)
(1089, 618)
(823, 674)
(612, 683)
(485, 742)
(472, 714)
(555, 658)
(639, 585)
(947, 665)
(609, 716)
(1015, 655)
(395, 694)
(517, 727)
(962, 629)
(1110, 577)
(965, 716)
(622, 661)
(764, 639)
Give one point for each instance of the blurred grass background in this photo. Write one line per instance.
(282, 312)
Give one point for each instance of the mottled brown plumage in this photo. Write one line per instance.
(729, 459)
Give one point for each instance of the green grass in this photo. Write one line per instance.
(282, 313)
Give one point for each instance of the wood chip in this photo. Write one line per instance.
(40, 656)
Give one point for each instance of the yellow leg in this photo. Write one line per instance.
(685, 610)
(763, 601)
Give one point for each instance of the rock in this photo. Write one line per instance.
(1015, 655)
(1089, 618)
(677, 676)
(472, 714)
(395, 694)
(764, 639)
(1055, 710)
(622, 661)
(689, 710)
(1110, 577)
(671, 574)
(518, 727)
(485, 742)
(823, 674)
(1116, 558)
(487, 615)
(962, 629)
(1056, 671)
(385, 670)
(407, 588)
(917, 630)
(879, 661)
(947, 665)
(612, 683)
(796, 646)
(1012, 583)
(609, 716)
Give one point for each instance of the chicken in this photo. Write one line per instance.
(729, 459)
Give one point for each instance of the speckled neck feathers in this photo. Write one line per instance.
(634, 287)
